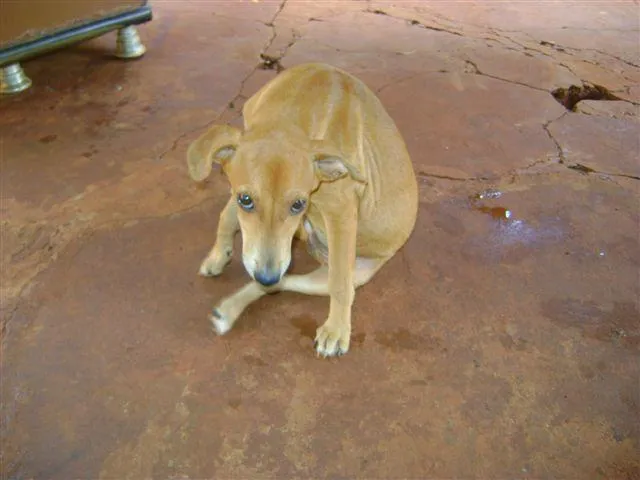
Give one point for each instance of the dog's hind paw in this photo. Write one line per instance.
(220, 323)
(332, 340)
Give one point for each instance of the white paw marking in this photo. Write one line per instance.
(332, 341)
(220, 323)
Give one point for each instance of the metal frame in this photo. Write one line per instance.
(14, 80)
(24, 51)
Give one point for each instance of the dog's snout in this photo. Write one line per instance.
(267, 277)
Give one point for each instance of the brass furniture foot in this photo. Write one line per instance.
(13, 79)
(129, 44)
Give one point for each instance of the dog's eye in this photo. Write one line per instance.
(245, 201)
(297, 206)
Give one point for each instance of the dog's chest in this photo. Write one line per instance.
(316, 242)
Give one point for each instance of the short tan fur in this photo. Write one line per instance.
(320, 159)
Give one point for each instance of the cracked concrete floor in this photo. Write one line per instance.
(501, 342)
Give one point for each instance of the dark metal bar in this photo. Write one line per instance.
(17, 53)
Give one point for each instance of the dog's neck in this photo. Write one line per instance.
(288, 135)
(277, 132)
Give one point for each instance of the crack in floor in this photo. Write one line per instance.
(571, 96)
(230, 105)
(67, 234)
(422, 175)
(397, 81)
(620, 59)
(585, 170)
(476, 71)
(413, 22)
(142, 218)
(559, 149)
(273, 62)
(417, 23)
(501, 36)
(272, 25)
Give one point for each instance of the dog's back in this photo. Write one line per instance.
(319, 158)
(331, 106)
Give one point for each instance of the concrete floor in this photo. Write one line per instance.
(492, 346)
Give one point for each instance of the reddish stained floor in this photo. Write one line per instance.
(501, 342)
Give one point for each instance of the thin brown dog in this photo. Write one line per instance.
(320, 159)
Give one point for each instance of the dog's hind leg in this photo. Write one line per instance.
(221, 252)
(227, 312)
(317, 282)
(333, 337)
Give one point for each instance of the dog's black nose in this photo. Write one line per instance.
(267, 278)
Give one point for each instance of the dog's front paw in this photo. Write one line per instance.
(332, 339)
(213, 265)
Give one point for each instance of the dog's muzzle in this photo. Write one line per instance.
(267, 278)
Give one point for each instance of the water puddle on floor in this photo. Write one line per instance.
(497, 213)
(509, 228)
(306, 326)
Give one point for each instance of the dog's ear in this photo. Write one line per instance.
(218, 145)
(329, 168)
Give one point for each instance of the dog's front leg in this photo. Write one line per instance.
(220, 254)
(333, 337)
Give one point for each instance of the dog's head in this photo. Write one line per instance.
(272, 177)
